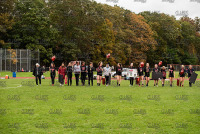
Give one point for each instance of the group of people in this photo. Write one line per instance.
(163, 70)
(83, 71)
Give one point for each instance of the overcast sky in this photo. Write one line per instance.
(178, 8)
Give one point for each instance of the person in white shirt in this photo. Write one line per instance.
(107, 72)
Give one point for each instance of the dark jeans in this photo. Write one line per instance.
(83, 77)
(38, 77)
(131, 80)
(69, 77)
(107, 80)
(77, 79)
(52, 79)
(90, 77)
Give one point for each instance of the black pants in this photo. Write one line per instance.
(77, 79)
(83, 77)
(69, 77)
(52, 79)
(61, 80)
(38, 77)
(90, 78)
(107, 80)
(131, 80)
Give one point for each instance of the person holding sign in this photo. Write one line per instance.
(171, 74)
(190, 71)
(131, 78)
(156, 70)
(140, 72)
(119, 73)
(182, 75)
(99, 73)
(147, 71)
(164, 75)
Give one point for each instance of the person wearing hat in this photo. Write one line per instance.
(37, 72)
(107, 72)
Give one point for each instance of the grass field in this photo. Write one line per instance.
(29, 109)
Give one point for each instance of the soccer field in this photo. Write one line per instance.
(29, 109)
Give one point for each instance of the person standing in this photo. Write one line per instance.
(90, 73)
(77, 70)
(140, 72)
(107, 72)
(69, 74)
(131, 78)
(147, 71)
(37, 72)
(171, 74)
(182, 75)
(62, 72)
(52, 71)
(156, 70)
(119, 73)
(83, 73)
(190, 71)
(99, 73)
(163, 75)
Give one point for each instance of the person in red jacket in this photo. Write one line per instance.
(62, 72)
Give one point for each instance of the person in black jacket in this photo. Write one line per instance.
(164, 74)
(83, 73)
(190, 71)
(52, 71)
(99, 73)
(37, 72)
(69, 74)
(90, 73)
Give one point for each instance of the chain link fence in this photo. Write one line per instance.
(18, 59)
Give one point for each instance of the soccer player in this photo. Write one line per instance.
(182, 75)
(99, 73)
(77, 70)
(69, 74)
(119, 73)
(83, 73)
(190, 71)
(52, 71)
(171, 74)
(131, 78)
(141, 73)
(37, 72)
(163, 70)
(62, 72)
(147, 71)
(156, 70)
(90, 73)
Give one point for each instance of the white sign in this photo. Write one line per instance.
(132, 73)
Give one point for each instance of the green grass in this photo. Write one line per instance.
(140, 110)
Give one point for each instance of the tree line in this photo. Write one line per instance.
(87, 30)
